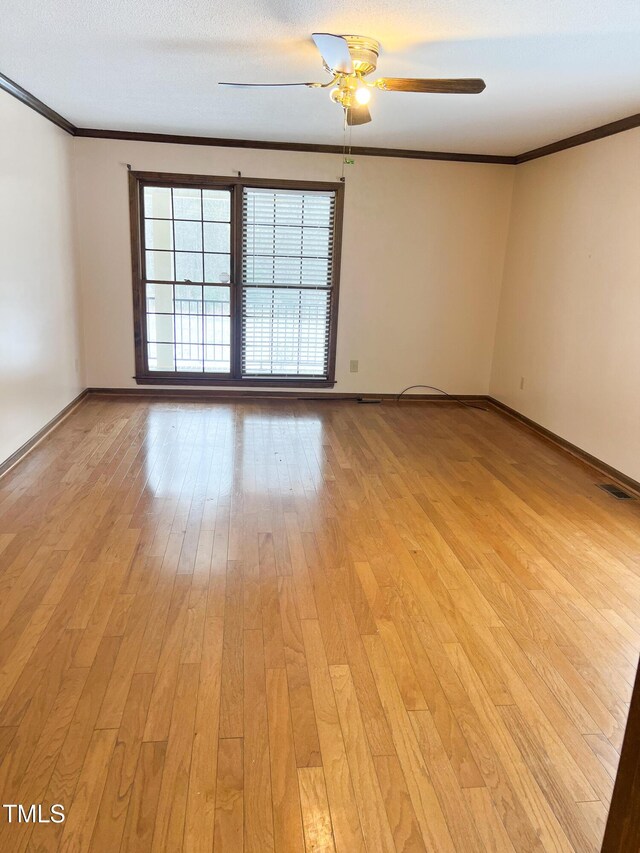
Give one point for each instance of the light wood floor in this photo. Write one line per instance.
(287, 626)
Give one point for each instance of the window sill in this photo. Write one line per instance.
(219, 382)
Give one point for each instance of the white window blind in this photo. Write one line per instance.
(287, 281)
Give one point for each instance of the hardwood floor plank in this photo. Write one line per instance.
(521, 776)
(32, 785)
(397, 801)
(112, 813)
(373, 819)
(287, 822)
(440, 698)
(229, 833)
(405, 676)
(375, 722)
(329, 623)
(168, 666)
(305, 732)
(125, 666)
(172, 800)
(342, 804)
(270, 604)
(608, 756)
(258, 812)
(81, 732)
(24, 647)
(78, 827)
(449, 793)
(141, 814)
(488, 825)
(316, 818)
(423, 797)
(303, 589)
(545, 774)
(201, 802)
(231, 711)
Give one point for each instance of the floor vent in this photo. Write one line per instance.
(616, 492)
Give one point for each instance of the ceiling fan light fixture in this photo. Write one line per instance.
(363, 94)
(349, 59)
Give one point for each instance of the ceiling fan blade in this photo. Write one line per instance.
(267, 85)
(334, 50)
(358, 115)
(462, 86)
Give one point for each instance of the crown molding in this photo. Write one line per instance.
(223, 142)
(40, 107)
(601, 132)
(36, 104)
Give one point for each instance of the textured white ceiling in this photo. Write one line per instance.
(552, 67)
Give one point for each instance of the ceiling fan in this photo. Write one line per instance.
(349, 60)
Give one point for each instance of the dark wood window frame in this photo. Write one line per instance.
(143, 376)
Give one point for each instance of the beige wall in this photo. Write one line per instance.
(570, 306)
(421, 271)
(39, 317)
(423, 295)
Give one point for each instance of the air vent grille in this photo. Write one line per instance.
(616, 492)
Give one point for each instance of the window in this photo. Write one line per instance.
(235, 280)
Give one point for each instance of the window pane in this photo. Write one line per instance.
(216, 300)
(158, 234)
(157, 202)
(160, 298)
(188, 291)
(160, 357)
(189, 358)
(189, 352)
(216, 267)
(160, 266)
(217, 237)
(188, 266)
(188, 329)
(217, 359)
(188, 299)
(217, 331)
(160, 328)
(187, 203)
(188, 236)
(217, 205)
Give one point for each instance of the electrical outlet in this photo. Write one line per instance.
(353, 365)
(522, 383)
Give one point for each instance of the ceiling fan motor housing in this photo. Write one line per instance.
(364, 53)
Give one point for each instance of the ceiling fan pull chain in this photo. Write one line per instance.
(344, 143)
